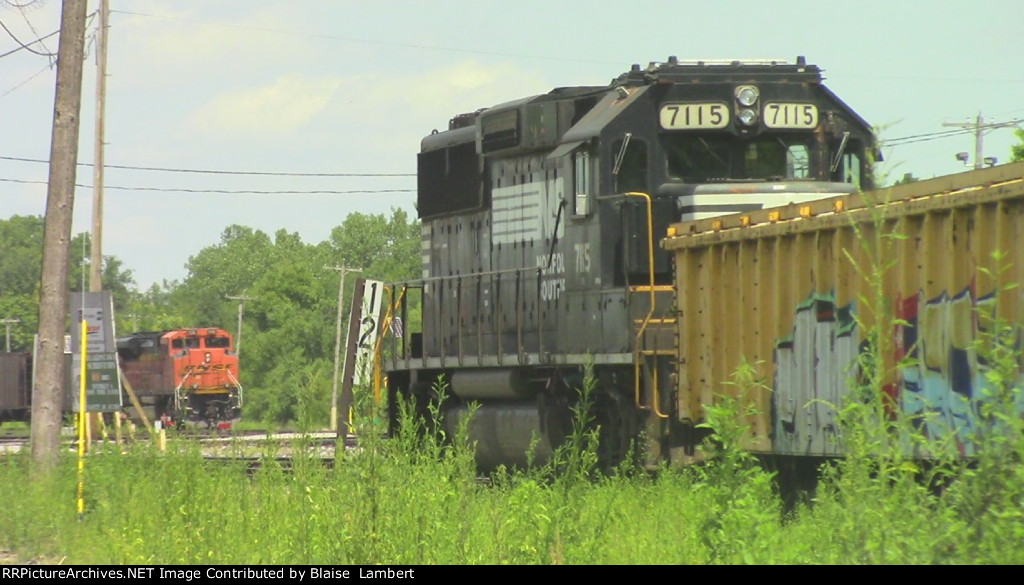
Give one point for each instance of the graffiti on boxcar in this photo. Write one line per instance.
(812, 369)
(941, 381)
(945, 362)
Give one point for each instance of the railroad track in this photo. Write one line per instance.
(239, 446)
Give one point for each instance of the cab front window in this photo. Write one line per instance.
(701, 159)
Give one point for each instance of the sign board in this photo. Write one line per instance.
(102, 383)
(363, 329)
(369, 329)
(97, 308)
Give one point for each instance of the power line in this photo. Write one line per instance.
(886, 142)
(978, 127)
(965, 129)
(227, 191)
(28, 21)
(26, 47)
(915, 78)
(23, 47)
(922, 137)
(31, 77)
(363, 40)
(220, 172)
(39, 40)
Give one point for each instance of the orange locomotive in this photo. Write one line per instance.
(188, 376)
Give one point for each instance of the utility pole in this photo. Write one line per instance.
(337, 341)
(980, 128)
(60, 197)
(7, 323)
(96, 264)
(238, 338)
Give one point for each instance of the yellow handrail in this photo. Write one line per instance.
(650, 312)
(378, 348)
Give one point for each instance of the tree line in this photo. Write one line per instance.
(289, 327)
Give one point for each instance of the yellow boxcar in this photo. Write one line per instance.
(920, 272)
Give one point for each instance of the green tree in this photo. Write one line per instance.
(386, 248)
(21, 239)
(289, 319)
(154, 309)
(228, 268)
(1017, 150)
(907, 178)
(291, 343)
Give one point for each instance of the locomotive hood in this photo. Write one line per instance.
(611, 106)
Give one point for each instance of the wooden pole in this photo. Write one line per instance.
(337, 343)
(48, 391)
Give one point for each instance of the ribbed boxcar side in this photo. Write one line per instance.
(794, 292)
(15, 385)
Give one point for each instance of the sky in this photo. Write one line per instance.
(292, 114)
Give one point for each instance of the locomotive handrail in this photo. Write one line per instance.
(430, 279)
(655, 399)
(520, 283)
(237, 384)
(378, 346)
(177, 391)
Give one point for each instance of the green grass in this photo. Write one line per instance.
(416, 500)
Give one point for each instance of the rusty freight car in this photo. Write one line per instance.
(15, 385)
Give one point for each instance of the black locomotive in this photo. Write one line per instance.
(540, 222)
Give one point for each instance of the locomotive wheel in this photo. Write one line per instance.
(426, 407)
(616, 418)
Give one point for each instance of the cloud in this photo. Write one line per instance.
(277, 109)
(176, 43)
(393, 110)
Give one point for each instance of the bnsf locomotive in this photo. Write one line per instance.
(540, 223)
(188, 376)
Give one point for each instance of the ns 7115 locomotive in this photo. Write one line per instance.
(190, 377)
(540, 222)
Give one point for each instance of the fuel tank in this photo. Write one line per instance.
(507, 433)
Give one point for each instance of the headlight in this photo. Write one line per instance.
(746, 95)
(748, 116)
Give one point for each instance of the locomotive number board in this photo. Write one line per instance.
(694, 116)
(790, 115)
(715, 115)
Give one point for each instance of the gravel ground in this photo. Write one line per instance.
(8, 557)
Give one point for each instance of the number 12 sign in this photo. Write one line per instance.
(369, 329)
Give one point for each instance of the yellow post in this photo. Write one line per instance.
(83, 421)
(117, 427)
(161, 434)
